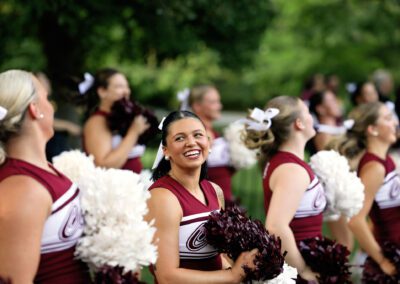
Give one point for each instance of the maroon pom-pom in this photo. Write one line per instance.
(372, 272)
(114, 275)
(5, 280)
(232, 232)
(124, 111)
(328, 258)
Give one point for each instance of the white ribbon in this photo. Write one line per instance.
(335, 130)
(160, 153)
(3, 112)
(85, 85)
(261, 120)
(348, 124)
(183, 98)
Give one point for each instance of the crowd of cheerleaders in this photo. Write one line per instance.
(294, 206)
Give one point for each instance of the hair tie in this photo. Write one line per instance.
(261, 120)
(86, 84)
(183, 98)
(348, 124)
(3, 112)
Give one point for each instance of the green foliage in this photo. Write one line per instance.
(250, 49)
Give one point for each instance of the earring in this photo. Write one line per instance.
(166, 158)
(375, 134)
(209, 151)
(41, 116)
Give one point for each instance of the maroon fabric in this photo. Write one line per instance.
(56, 267)
(305, 227)
(134, 164)
(192, 206)
(221, 176)
(386, 221)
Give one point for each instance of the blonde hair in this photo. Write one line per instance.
(197, 93)
(16, 92)
(355, 140)
(269, 141)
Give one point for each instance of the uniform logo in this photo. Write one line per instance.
(197, 239)
(319, 198)
(72, 223)
(395, 189)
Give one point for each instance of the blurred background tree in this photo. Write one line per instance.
(250, 49)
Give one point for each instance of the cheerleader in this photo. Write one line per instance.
(181, 200)
(40, 216)
(205, 102)
(110, 150)
(327, 111)
(371, 136)
(293, 197)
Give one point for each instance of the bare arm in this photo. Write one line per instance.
(98, 141)
(167, 219)
(24, 208)
(372, 176)
(286, 197)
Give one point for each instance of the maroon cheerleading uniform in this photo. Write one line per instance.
(63, 227)
(194, 252)
(385, 211)
(219, 169)
(133, 162)
(307, 221)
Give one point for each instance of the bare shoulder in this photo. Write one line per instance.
(164, 202)
(220, 194)
(289, 175)
(22, 195)
(95, 123)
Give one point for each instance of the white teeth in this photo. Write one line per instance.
(192, 153)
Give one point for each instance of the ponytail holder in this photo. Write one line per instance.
(183, 98)
(3, 112)
(261, 119)
(86, 84)
(348, 124)
(160, 153)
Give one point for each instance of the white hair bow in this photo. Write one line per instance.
(3, 112)
(261, 120)
(348, 124)
(85, 85)
(160, 153)
(183, 97)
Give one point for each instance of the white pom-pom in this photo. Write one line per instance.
(288, 276)
(114, 204)
(240, 156)
(74, 164)
(344, 191)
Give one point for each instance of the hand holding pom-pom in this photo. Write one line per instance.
(328, 258)
(232, 232)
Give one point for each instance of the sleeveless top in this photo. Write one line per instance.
(194, 252)
(307, 221)
(62, 228)
(385, 211)
(219, 170)
(133, 162)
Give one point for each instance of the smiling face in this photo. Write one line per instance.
(117, 88)
(187, 144)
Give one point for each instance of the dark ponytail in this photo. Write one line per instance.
(165, 166)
